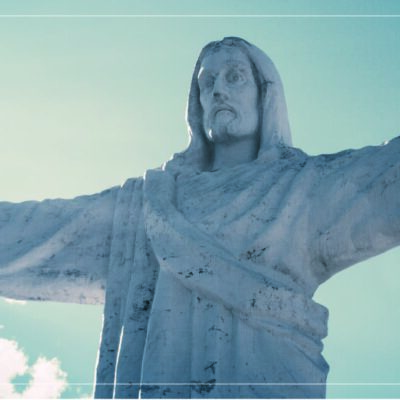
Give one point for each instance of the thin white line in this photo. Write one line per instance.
(221, 384)
(200, 16)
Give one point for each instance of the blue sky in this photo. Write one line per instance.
(88, 102)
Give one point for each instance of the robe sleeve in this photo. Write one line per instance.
(355, 205)
(56, 249)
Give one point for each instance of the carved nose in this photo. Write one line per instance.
(220, 95)
(220, 92)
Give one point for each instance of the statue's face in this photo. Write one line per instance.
(228, 96)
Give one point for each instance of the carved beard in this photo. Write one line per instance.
(223, 126)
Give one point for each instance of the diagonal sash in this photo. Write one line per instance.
(200, 263)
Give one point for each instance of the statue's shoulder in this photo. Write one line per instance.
(136, 184)
(130, 182)
(334, 158)
(293, 154)
(290, 157)
(282, 153)
(346, 158)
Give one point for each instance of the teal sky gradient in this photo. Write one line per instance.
(88, 102)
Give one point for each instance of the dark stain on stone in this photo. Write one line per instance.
(214, 328)
(205, 270)
(203, 387)
(146, 305)
(73, 273)
(148, 388)
(48, 273)
(211, 366)
(254, 253)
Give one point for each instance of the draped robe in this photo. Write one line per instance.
(209, 276)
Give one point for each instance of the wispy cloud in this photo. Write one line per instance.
(48, 380)
(16, 302)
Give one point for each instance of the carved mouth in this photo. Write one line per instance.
(223, 108)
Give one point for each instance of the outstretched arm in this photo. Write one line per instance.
(56, 249)
(356, 212)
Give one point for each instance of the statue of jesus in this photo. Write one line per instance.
(208, 265)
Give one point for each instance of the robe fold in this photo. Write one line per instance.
(209, 275)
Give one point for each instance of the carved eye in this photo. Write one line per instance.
(234, 77)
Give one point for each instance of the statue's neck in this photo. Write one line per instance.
(235, 152)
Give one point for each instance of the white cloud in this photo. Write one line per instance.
(13, 362)
(16, 302)
(48, 380)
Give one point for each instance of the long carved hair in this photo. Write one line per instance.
(274, 127)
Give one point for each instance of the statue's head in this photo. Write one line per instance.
(229, 95)
(235, 92)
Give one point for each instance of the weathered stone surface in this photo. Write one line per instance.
(211, 262)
